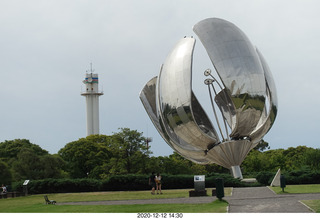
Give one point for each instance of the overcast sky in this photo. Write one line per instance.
(46, 46)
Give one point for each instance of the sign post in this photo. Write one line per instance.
(25, 187)
(199, 186)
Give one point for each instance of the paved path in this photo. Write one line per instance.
(243, 200)
(191, 200)
(263, 200)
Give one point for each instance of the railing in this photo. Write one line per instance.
(91, 92)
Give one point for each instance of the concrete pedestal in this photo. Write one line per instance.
(194, 193)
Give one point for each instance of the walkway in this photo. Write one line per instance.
(192, 200)
(263, 200)
(243, 200)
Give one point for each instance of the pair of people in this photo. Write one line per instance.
(155, 182)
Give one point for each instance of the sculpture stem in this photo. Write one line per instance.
(236, 172)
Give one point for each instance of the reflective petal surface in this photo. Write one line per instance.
(247, 100)
(239, 69)
(176, 100)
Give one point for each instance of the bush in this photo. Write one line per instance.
(177, 181)
(17, 186)
(113, 183)
(294, 177)
(302, 176)
(265, 178)
(59, 186)
(125, 183)
(129, 182)
(229, 181)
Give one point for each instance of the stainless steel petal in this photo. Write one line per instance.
(270, 83)
(175, 101)
(230, 153)
(226, 107)
(271, 112)
(239, 69)
(148, 97)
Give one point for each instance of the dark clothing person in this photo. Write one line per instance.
(152, 183)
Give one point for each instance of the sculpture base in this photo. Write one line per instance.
(214, 192)
(276, 179)
(194, 193)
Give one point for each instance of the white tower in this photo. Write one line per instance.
(92, 94)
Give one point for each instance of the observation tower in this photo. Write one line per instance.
(92, 94)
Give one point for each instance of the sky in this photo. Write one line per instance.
(46, 46)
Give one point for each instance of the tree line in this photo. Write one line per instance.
(126, 152)
(292, 158)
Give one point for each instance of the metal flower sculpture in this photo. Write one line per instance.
(246, 98)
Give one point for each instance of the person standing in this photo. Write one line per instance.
(152, 183)
(158, 182)
(4, 190)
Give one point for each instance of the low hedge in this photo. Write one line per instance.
(125, 183)
(128, 182)
(302, 177)
(296, 177)
(228, 180)
(58, 186)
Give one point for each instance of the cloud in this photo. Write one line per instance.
(46, 47)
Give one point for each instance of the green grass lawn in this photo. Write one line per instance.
(310, 188)
(296, 189)
(313, 204)
(36, 203)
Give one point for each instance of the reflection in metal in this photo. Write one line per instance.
(246, 98)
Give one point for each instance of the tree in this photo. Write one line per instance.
(29, 165)
(86, 156)
(52, 166)
(312, 159)
(178, 164)
(129, 152)
(254, 162)
(292, 158)
(5, 173)
(29, 161)
(274, 160)
(98, 156)
(215, 168)
(262, 145)
(11, 149)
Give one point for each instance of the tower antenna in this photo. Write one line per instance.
(90, 70)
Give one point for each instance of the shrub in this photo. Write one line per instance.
(228, 180)
(294, 177)
(265, 178)
(177, 181)
(302, 176)
(125, 183)
(17, 186)
(129, 182)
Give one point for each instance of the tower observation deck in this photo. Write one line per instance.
(92, 94)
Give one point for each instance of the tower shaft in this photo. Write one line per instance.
(92, 94)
